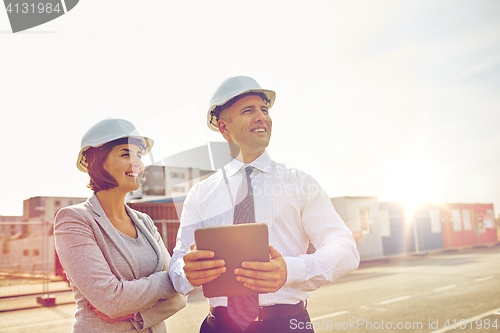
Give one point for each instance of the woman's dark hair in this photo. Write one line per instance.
(95, 157)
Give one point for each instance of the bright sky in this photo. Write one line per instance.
(395, 99)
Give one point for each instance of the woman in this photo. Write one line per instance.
(113, 256)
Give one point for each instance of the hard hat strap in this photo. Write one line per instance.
(219, 108)
(124, 141)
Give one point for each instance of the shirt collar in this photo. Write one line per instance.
(261, 163)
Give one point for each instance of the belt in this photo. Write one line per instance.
(266, 312)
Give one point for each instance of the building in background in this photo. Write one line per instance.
(468, 224)
(426, 228)
(165, 214)
(395, 229)
(168, 182)
(361, 215)
(27, 240)
(383, 229)
(43, 209)
(10, 226)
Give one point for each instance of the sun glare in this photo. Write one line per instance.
(412, 182)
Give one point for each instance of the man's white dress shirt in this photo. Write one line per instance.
(295, 209)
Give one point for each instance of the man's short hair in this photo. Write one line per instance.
(218, 109)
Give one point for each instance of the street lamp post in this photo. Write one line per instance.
(46, 299)
(415, 232)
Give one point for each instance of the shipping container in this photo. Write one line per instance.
(394, 229)
(485, 220)
(361, 215)
(428, 227)
(468, 225)
(405, 231)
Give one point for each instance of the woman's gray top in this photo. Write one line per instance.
(143, 252)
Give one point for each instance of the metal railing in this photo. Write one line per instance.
(28, 265)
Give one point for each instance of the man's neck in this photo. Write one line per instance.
(246, 157)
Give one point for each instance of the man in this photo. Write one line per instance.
(291, 203)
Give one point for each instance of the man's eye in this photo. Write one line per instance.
(125, 155)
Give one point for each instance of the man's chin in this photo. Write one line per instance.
(262, 143)
(261, 147)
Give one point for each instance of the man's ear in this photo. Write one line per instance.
(222, 124)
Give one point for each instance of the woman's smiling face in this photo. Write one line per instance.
(124, 164)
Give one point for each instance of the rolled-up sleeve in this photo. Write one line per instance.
(336, 253)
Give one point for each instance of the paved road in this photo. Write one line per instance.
(419, 293)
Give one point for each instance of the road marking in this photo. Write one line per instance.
(403, 270)
(23, 327)
(395, 300)
(483, 279)
(377, 309)
(445, 288)
(329, 315)
(467, 321)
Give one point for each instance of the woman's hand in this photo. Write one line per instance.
(106, 318)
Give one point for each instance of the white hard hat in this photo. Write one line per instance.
(230, 88)
(107, 130)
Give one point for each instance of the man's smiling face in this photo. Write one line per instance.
(248, 124)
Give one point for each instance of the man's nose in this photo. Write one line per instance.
(260, 115)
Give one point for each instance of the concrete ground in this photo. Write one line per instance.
(426, 292)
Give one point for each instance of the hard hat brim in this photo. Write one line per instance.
(82, 166)
(271, 95)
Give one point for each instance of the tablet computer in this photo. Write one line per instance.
(234, 244)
